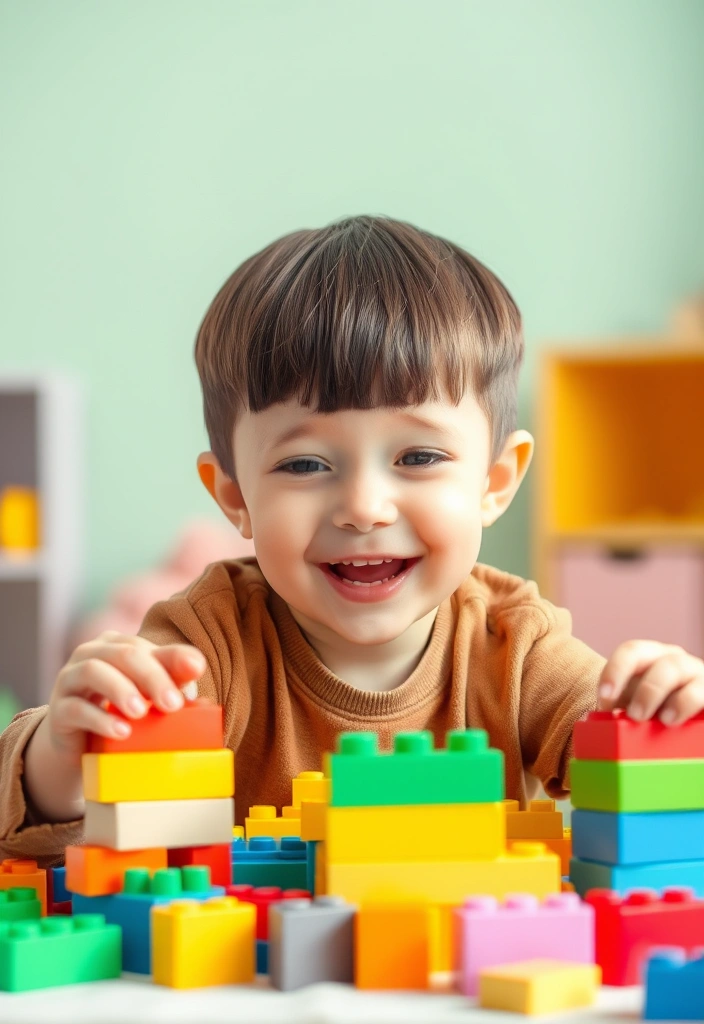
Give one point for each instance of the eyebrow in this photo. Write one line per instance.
(304, 429)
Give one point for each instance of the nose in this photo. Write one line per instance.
(364, 501)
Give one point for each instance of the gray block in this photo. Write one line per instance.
(311, 941)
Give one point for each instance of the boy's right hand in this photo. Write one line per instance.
(125, 671)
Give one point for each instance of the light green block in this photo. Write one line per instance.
(638, 785)
(58, 951)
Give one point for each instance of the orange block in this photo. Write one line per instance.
(313, 814)
(99, 871)
(563, 849)
(14, 872)
(395, 945)
(197, 726)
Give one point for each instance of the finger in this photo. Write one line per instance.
(184, 663)
(684, 703)
(123, 675)
(669, 673)
(73, 714)
(630, 658)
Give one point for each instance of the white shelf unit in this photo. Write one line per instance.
(42, 447)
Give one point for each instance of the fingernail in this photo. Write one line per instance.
(606, 689)
(136, 705)
(121, 729)
(668, 716)
(173, 699)
(636, 711)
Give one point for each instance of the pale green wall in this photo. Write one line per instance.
(151, 145)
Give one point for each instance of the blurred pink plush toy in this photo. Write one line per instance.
(202, 541)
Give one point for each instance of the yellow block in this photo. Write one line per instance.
(538, 986)
(527, 867)
(540, 821)
(313, 816)
(238, 831)
(262, 821)
(159, 775)
(19, 519)
(419, 832)
(311, 786)
(195, 945)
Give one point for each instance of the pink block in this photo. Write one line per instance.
(488, 933)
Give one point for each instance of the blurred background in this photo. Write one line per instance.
(149, 146)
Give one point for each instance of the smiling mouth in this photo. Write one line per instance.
(370, 575)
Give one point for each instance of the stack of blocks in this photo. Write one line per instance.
(158, 827)
(540, 822)
(408, 836)
(638, 790)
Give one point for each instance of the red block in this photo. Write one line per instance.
(613, 736)
(216, 857)
(63, 908)
(196, 726)
(262, 897)
(628, 927)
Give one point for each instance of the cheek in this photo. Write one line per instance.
(449, 517)
(282, 524)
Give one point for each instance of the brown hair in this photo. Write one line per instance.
(367, 312)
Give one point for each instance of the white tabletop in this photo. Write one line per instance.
(136, 1000)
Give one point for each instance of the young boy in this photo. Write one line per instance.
(359, 386)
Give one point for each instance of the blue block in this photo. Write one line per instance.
(264, 861)
(262, 956)
(589, 874)
(674, 987)
(310, 865)
(132, 913)
(61, 893)
(638, 838)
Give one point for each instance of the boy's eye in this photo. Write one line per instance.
(301, 467)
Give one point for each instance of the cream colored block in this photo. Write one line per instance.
(142, 824)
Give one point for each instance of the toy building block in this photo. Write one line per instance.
(262, 821)
(196, 726)
(186, 934)
(58, 951)
(24, 873)
(638, 785)
(563, 848)
(311, 850)
(217, 858)
(527, 867)
(99, 871)
(164, 775)
(310, 941)
(613, 736)
(264, 861)
(488, 934)
(467, 771)
(313, 820)
(237, 832)
(643, 838)
(261, 956)
(19, 904)
(540, 821)
(263, 897)
(424, 832)
(538, 986)
(139, 824)
(312, 787)
(56, 885)
(65, 907)
(588, 874)
(131, 908)
(674, 986)
(626, 929)
(393, 945)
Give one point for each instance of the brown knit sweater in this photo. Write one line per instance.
(500, 658)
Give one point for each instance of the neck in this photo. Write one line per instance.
(376, 667)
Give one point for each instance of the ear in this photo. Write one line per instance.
(506, 474)
(225, 491)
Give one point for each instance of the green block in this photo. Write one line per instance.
(58, 951)
(638, 785)
(19, 904)
(467, 771)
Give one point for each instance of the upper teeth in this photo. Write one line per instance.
(377, 562)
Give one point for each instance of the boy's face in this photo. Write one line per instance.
(364, 485)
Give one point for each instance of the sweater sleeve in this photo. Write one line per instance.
(558, 686)
(23, 834)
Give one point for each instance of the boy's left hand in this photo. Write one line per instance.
(648, 678)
